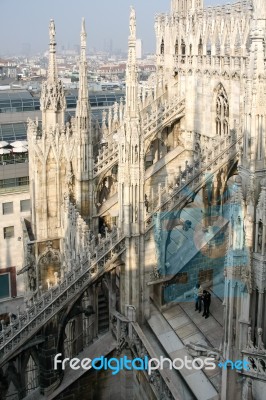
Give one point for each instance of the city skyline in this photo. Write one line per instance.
(29, 34)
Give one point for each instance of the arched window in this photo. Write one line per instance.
(200, 46)
(31, 375)
(162, 47)
(183, 48)
(190, 49)
(222, 112)
(209, 47)
(176, 47)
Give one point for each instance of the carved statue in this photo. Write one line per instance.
(132, 25)
(52, 31)
(250, 344)
(104, 191)
(259, 237)
(146, 203)
(260, 341)
(70, 180)
(32, 279)
(238, 234)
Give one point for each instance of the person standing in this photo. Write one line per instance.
(198, 296)
(206, 298)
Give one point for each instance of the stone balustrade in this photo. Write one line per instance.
(154, 116)
(104, 251)
(256, 362)
(107, 156)
(165, 113)
(217, 63)
(192, 177)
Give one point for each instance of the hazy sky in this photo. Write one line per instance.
(24, 24)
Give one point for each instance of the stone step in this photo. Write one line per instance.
(173, 375)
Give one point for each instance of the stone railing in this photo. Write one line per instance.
(107, 156)
(218, 63)
(148, 99)
(154, 116)
(162, 116)
(129, 335)
(255, 356)
(188, 181)
(72, 284)
(80, 244)
(256, 362)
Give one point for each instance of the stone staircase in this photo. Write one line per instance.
(51, 302)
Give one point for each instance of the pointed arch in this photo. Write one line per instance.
(176, 48)
(222, 111)
(200, 47)
(208, 46)
(31, 374)
(183, 47)
(162, 47)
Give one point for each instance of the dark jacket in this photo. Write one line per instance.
(206, 298)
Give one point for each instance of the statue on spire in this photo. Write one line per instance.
(52, 31)
(52, 99)
(132, 25)
(83, 34)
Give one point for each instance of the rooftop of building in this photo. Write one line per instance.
(23, 100)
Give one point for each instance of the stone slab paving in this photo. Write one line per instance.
(200, 385)
(210, 327)
(208, 331)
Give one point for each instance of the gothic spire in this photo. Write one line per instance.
(83, 108)
(53, 102)
(131, 74)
